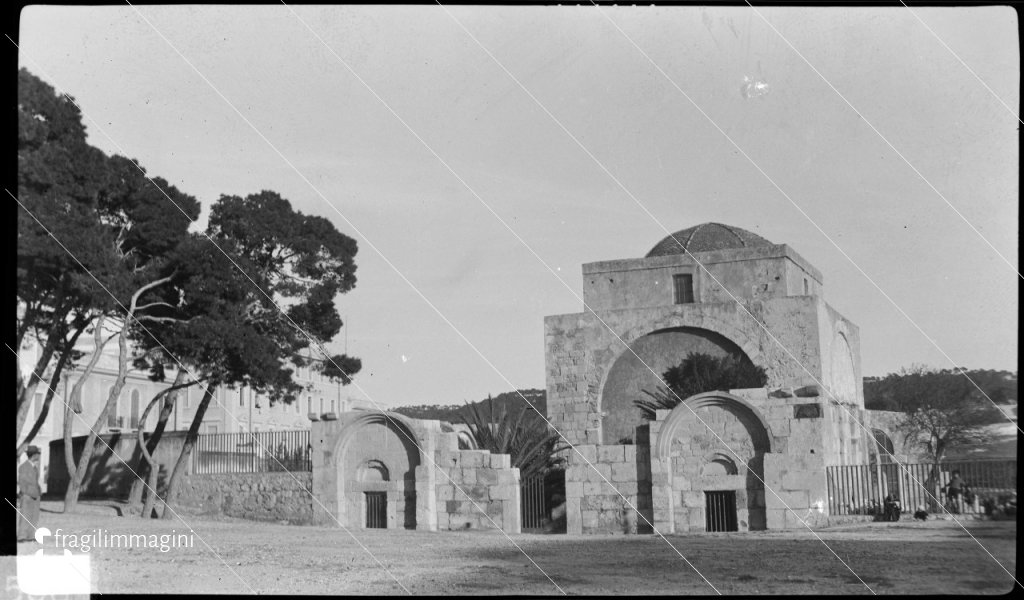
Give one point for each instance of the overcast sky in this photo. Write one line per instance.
(341, 153)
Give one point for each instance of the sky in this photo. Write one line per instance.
(475, 201)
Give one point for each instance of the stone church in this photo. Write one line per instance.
(704, 465)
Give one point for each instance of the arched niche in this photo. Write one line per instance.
(377, 453)
(711, 442)
(640, 368)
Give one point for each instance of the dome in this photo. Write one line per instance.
(707, 237)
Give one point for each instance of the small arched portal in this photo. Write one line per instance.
(377, 460)
(641, 367)
(711, 448)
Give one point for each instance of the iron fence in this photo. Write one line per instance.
(862, 489)
(257, 452)
(533, 504)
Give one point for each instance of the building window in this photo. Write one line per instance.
(136, 400)
(332, 405)
(683, 286)
(321, 406)
(188, 398)
(309, 404)
(241, 400)
(297, 405)
(807, 288)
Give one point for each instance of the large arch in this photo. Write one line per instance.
(639, 367)
(746, 411)
(712, 442)
(377, 452)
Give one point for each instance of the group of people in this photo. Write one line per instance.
(958, 494)
(29, 494)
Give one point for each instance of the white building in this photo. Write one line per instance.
(231, 410)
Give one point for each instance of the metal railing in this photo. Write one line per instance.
(258, 452)
(862, 489)
(533, 504)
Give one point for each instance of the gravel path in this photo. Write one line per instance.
(235, 556)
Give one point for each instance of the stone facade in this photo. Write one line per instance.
(428, 481)
(279, 497)
(765, 450)
(593, 500)
(481, 491)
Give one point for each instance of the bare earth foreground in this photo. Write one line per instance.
(245, 557)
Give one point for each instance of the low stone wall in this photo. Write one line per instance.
(477, 478)
(258, 496)
(594, 506)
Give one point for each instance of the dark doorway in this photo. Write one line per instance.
(376, 510)
(720, 511)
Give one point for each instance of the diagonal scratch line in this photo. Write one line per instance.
(957, 56)
(84, 577)
(304, 178)
(658, 376)
(328, 357)
(193, 375)
(795, 359)
(151, 490)
(888, 143)
(774, 339)
(799, 209)
(498, 371)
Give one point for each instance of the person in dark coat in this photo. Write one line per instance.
(954, 491)
(28, 496)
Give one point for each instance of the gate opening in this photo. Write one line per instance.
(376, 510)
(720, 511)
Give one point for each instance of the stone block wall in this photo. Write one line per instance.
(599, 494)
(280, 497)
(477, 489)
(581, 351)
(796, 490)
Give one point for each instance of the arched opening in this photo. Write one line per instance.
(641, 367)
(378, 456)
(712, 447)
(882, 449)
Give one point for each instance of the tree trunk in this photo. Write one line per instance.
(74, 405)
(52, 389)
(75, 485)
(147, 466)
(27, 390)
(186, 450)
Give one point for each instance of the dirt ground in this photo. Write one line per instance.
(235, 556)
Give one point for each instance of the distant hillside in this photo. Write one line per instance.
(452, 412)
(999, 386)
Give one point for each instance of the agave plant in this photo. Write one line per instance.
(519, 432)
(699, 373)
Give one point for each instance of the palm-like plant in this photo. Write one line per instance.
(699, 373)
(520, 433)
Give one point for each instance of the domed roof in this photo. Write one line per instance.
(707, 237)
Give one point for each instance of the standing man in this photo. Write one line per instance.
(954, 489)
(28, 496)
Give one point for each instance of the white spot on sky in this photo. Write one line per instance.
(404, 359)
(754, 87)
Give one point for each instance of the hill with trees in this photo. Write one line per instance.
(454, 413)
(881, 393)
